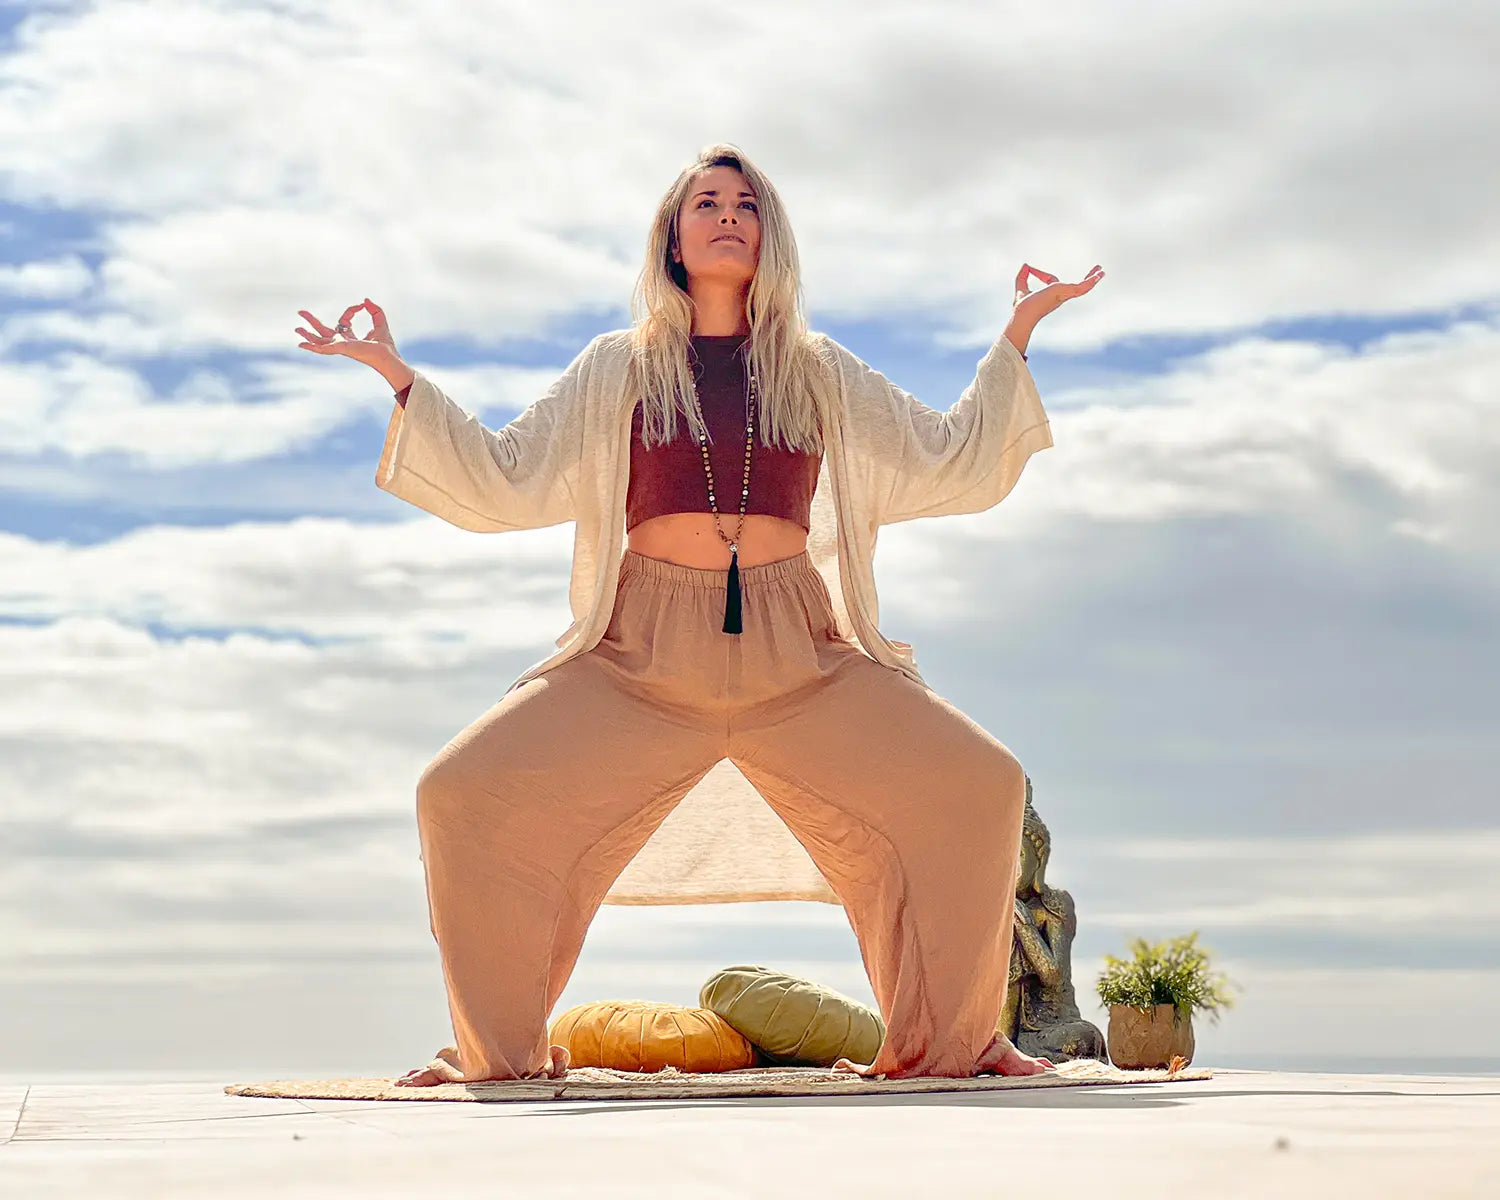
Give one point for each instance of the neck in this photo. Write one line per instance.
(718, 307)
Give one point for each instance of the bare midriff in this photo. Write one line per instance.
(691, 540)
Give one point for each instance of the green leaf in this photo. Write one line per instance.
(1175, 971)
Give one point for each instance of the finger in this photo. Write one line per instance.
(1043, 275)
(312, 337)
(348, 315)
(321, 328)
(377, 314)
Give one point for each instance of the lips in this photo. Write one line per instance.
(729, 237)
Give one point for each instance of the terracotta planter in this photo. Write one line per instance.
(1138, 1039)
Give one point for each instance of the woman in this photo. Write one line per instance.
(720, 633)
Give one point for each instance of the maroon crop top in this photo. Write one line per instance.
(671, 479)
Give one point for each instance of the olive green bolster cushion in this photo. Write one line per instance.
(793, 1022)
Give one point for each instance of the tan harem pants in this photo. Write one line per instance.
(910, 809)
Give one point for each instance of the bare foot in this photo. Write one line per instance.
(445, 1069)
(1000, 1057)
(442, 1069)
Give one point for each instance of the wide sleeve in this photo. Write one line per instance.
(522, 476)
(927, 463)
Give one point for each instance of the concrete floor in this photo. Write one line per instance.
(1242, 1133)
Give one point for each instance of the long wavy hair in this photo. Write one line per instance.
(794, 381)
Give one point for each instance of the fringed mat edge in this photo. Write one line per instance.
(602, 1083)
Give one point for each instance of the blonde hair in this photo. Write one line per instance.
(793, 380)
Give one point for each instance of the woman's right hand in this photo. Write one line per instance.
(376, 348)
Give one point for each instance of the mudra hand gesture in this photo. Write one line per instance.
(1033, 306)
(376, 346)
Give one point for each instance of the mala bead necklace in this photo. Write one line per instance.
(732, 613)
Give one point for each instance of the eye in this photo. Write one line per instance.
(704, 201)
(751, 203)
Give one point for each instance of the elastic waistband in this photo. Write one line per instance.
(634, 563)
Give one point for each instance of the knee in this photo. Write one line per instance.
(1010, 778)
(487, 797)
(1002, 803)
(445, 788)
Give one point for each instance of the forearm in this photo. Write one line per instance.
(395, 372)
(1018, 333)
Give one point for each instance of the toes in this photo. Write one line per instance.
(438, 1071)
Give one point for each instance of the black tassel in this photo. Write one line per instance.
(732, 622)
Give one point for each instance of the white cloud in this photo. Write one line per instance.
(1285, 427)
(1409, 884)
(83, 407)
(1246, 605)
(376, 588)
(56, 279)
(323, 662)
(482, 186)
(1328, 446)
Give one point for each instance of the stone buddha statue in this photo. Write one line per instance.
(1041, 1012)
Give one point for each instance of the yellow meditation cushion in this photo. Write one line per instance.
(645, 1035)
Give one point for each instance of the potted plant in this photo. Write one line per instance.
(1151, 997)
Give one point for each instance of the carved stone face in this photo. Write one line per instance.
(1030, 865)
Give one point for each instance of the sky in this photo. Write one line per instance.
(1239, 623)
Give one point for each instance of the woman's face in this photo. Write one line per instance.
(719, 227)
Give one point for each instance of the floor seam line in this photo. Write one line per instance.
(20, 1112)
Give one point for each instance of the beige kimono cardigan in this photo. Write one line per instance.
(887, 458)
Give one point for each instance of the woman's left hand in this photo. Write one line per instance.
(1031, 306)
